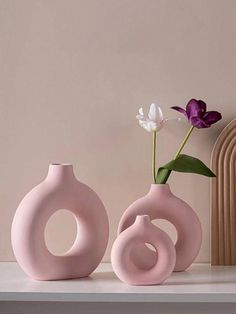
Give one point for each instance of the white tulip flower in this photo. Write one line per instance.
(154, 121)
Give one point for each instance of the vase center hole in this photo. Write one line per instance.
(168, 227)
(60, 232)
(150, 246)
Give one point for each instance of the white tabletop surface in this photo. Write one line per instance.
(200, 283)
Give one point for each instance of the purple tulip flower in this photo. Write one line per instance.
(197, 115)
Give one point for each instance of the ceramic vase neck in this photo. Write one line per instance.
(142, 220)
(60, 172)
(160, 189)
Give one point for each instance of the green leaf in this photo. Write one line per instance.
(162, 175)
(183, 163)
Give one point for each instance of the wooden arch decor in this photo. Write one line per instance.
(223, 198)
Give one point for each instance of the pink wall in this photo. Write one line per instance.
(73, 75)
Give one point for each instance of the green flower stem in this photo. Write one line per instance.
(184, 142)
(165, 173)
(154, 145)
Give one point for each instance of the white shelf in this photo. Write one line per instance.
(201, 283)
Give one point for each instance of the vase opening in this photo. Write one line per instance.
(59, 172)
(161, 189)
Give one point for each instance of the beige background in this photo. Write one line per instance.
(73, 75)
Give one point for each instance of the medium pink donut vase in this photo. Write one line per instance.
(160, 203)
(60, 190)
(141, 232)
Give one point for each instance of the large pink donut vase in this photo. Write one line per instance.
(160, 203)
(141, 232)
(60, 190)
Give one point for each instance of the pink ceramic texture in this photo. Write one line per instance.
(60, 190)
(141, 232)
(160, 203)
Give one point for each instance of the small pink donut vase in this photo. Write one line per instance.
(160, 203)
(140, 232)
(60, 190)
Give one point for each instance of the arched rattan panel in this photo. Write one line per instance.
(223, 198)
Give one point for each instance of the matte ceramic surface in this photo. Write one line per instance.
(60, 190)
(141, 232)
(160, 203)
